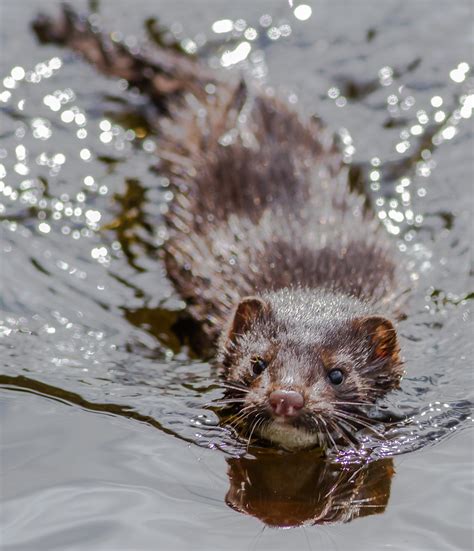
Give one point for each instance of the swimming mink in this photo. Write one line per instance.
(287, 274)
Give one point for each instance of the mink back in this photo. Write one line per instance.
(261, 203)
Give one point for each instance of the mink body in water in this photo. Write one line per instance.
(287, 275)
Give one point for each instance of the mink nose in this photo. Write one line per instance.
(286, 402)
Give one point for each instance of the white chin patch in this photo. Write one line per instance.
(289, 437)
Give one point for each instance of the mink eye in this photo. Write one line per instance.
(258, 365)
(336, 376)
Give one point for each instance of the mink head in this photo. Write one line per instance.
(302, 366)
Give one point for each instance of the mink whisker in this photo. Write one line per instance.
(359, 421)
(329, 434)
(259, 420)
(217, 403)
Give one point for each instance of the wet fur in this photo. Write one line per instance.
(261, 207)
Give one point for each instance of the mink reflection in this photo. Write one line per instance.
(289, 490)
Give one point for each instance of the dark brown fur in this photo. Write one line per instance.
(261, 208)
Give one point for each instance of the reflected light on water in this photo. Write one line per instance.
(441, 125)
(303, 12)
(85, 154)
(55, 212)
(222, 26)
(238, 54)
(459, 74)
(467, 106)
(18, 73)
(265, 28)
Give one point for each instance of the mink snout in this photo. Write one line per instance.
(286, 403)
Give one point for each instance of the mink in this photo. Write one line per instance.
(292, 281)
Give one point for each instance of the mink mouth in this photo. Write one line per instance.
(306, 430)
(302, 421)
(292, 433)
(305, 421)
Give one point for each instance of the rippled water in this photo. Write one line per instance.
(90, 364)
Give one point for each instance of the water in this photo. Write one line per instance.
(90, 366)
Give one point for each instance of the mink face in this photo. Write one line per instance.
(307, 366)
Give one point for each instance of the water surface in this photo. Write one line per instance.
(106, 443)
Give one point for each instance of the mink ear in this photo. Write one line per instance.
(247, 312)
(382, 335)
